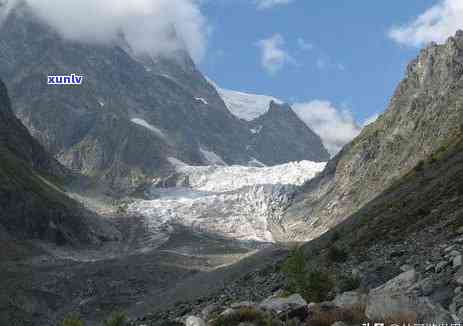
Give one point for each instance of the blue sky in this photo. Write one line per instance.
(336, 61)
(338, 50)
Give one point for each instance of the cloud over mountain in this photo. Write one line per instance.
(148, 25)
(335, 127)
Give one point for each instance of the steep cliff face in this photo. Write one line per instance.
(131, 113)
(424, 113)
(31, 205)
(280, 136)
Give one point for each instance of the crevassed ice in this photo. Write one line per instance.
(235, 202)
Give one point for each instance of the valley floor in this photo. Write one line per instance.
(181, 243)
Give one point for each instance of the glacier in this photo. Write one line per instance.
(235, 202)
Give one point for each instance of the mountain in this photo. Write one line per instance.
(130, 115)
(279, 135)
(32, 203)
(424, 113)
(246, 106)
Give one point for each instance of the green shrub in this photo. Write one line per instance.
(349, 283)
(116, 319)
(313, 286)
(72, 320)
(319, 286)
(420, 166)
(337, 254)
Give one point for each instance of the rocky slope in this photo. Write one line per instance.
(131, 113)
(398, 259)
(31, 205)
(425, 111)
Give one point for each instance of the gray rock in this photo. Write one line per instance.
(457, 261)
(458, 277)
(406, 267)
(350, 299)
(454, 253)
(441, 266)
(194, 321)
(291, 307)
(279, 305)
(243, 304)
(449, 248)
(228, 312)
(209, 310)
(340, 323)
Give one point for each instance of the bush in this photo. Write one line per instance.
(420, 166)
(349, 283)
(72, 320)
(337, 254)
(116, 319)
(313, 286)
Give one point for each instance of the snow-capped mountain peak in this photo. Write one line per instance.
(244, 105)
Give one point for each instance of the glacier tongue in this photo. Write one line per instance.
(235, 202)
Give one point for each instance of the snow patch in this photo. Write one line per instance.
(145, 124)
(256, 130)
(211, 157)
(246, 106)
(201, 100)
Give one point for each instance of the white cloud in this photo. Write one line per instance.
(147, 24)
(335, 127)
(434, 25)
(265, 4)
(273, 55)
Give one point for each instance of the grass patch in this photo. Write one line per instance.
(72, 320)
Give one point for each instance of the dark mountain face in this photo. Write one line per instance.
(31, 206)
(280, 136)
(425, 111)
(131, 113)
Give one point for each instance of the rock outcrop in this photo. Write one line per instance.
(32, 204)
(424, 113)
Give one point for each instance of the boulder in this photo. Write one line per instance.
(457, 261)
(393, 300)
(441, 266)
(194, 321)
(350, 299)
(243, 304)
(339, 323)
(458, 277)
(293, 306)
(209, 310)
